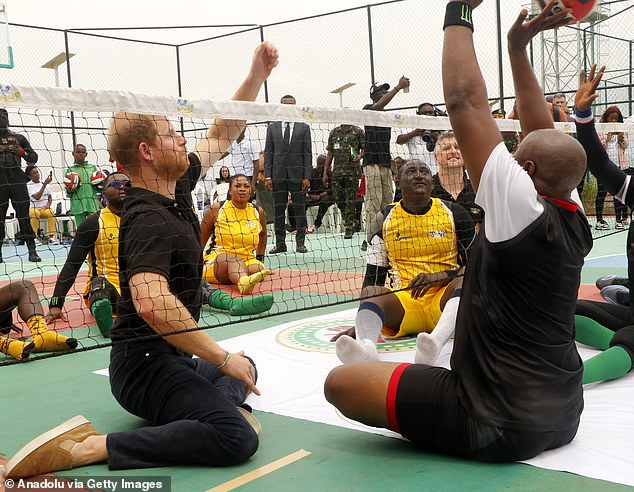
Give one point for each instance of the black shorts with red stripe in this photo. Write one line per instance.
(423, 405)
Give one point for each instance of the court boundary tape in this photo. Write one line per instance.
(260, 472)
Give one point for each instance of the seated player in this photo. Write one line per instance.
(237, 230)
(607, 326)
(21, 294)
(97, 238)
(515, 384)
(423, 242)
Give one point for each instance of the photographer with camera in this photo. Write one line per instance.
(420, 142)
(13, 148)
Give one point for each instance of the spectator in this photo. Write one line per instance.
(318, 194)
(345, 146)
(615, 144)
(263, 197)
(221, 193)
(420, 142)
(83, 200)
(511, 138)
(288, 167)
(376, 157)
(245, 156)
(41, 201)
(13, 148)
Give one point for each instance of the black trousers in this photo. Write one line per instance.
(13, 187)
(281, 189)
(190, 404)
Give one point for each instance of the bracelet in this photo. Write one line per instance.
(224, 362)
(458, 14)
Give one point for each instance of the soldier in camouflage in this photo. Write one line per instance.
(345, 145)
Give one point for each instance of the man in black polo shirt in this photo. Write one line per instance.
(514, 388)
(376, 157)
(191, 403)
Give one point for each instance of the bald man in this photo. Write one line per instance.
(514, 387)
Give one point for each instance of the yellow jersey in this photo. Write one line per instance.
(236, 231)
(103, 257)
(416, 244)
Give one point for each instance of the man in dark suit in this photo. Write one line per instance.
(288, 168)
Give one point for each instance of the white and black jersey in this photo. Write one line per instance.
(514, 347)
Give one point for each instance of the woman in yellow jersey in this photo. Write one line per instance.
(237, 230)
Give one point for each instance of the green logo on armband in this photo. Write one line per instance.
(465, 14)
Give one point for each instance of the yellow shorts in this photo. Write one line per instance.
(210, 261)
(421, 314)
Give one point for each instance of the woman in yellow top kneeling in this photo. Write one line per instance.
(237, 230)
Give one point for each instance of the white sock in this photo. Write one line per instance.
(369, 322)
(351, 350)
(429, 345)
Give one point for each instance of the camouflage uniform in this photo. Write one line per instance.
(346, 142)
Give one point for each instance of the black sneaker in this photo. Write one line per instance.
(611, 280)
(616, 294)
(349, 233)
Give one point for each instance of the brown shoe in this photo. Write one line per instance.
(253, 422)
(302, 249)
(51, 451)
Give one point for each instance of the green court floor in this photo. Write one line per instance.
(41, 394)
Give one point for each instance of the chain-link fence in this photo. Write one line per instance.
(376, 43)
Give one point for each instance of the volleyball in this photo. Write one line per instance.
(72, 182)
(580, 8)
(97, 178)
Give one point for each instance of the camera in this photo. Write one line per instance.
(427, 136)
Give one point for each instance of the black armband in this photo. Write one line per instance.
(56, 302)
(260, 258)
(458, 14)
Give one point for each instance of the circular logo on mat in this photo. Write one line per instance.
(314, 336)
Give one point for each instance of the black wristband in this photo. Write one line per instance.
(56, 302)
(458, 14)
(260, 258)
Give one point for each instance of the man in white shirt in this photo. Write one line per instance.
(246, 158)
(421, 143)
(41, 200)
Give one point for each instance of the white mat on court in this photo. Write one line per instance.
(291, 383)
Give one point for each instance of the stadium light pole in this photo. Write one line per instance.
(339, 90)
(54, 64)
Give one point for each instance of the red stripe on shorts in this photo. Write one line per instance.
(390, 399)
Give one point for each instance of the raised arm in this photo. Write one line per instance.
(607, 172)
(388, 96)
(532, 107)
(465, 91)
(223, 132)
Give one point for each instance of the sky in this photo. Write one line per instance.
(115, 13)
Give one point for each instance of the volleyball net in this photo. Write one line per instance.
(55, 120)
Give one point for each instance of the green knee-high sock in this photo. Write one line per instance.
(102, 311)
(611, 364)
(251, 305)
(591, 333)
(240, 306)
(220, 300)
